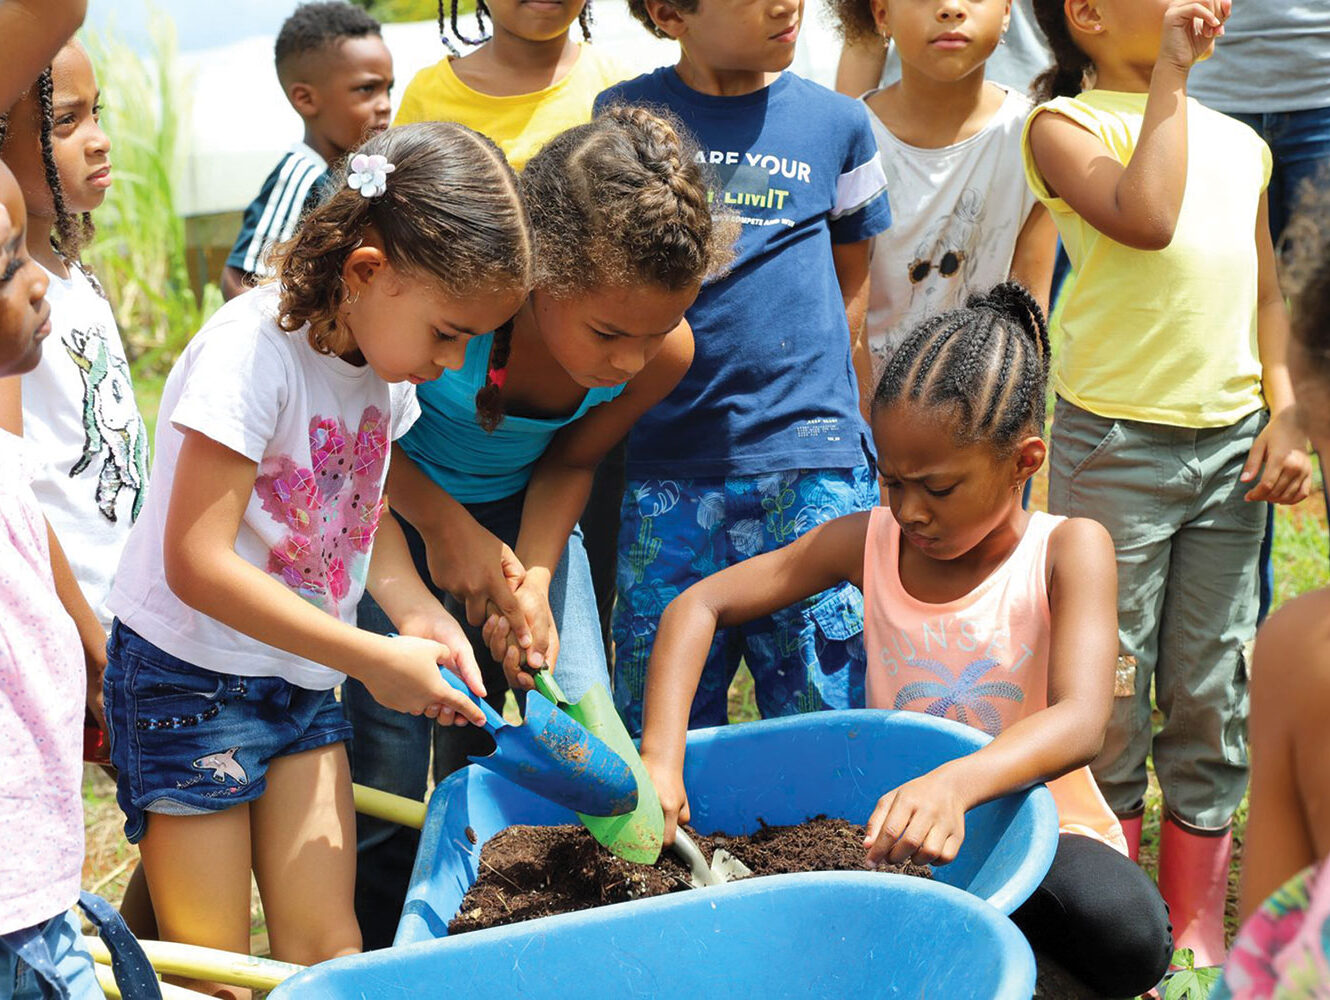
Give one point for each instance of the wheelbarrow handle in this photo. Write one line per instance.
(387, 806)
(171, 958)
(106, 980)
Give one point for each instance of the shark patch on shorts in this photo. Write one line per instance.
(223, 766)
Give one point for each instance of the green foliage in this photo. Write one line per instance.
(139, 253)
(402, 10)
(1190, 983)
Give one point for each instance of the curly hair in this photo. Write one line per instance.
(638, 8)
(448, 16)
(72, 231)
(318, 27)
(451, 214)
(987, 363)
(853, 18)
(1066, 77)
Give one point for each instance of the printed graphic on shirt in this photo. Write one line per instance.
(113, 431)
(958, 697)
(750, 182)
(330, 509)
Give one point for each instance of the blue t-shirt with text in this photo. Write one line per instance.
(772, 386)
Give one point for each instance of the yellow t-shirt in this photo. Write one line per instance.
(1165, 336)
(519, 124)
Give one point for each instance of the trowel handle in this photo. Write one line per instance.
(546, 685)
(493, 720)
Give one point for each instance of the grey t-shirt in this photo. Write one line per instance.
(1274, 56)
(1015, 63)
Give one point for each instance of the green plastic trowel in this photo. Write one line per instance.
(635, 836)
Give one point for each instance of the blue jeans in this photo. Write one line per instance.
(391, 751)
(1300, 143)
(64, 947)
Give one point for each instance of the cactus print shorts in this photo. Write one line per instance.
(804, 658)
(187, 741)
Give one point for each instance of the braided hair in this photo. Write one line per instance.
(448, 21)
(987, 362)
(71, 232)
(1066, 77)
(620, 201)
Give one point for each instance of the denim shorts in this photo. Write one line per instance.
(187, 741)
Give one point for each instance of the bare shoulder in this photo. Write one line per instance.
(1293, 648)
(1079, 538)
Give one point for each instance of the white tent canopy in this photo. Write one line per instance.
(240, 123)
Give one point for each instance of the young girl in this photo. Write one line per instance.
(235, 595)
(78, 405)
(963, 217)
(1283, 949)
(42, 677)
(1173, 393)
(1029, 598)
(527, 81)
(496, 473)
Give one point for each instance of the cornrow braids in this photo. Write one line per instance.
(489, 404)
(623, 201)
(1066, 77)
(449, 15)
(584, 20)
(450, 214)
(987, 363)
(72, 232)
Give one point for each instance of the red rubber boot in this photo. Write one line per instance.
(1193, 879)
(1131, 829)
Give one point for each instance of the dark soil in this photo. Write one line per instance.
(537, 871)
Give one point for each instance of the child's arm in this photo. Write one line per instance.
(829, 554)
(1282, 446)
(91, 635)
(924, 819)
(34, 31)
(212, 488)
(558, 492)
(394, 583)
(860, 67)
(1289, 825)
(1138, 204)
(1036, 253)
(852, 261)
(465, 559)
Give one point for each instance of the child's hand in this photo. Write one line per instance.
(1282, 448)
(437, 624)
(921, 821)
(668, 780)
(1190, 30)
(477, 568)
(406, 679)
(533, 596)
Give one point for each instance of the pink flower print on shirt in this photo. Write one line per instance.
(330, 510)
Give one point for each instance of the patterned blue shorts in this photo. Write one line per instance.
(674, 532)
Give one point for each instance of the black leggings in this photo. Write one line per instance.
(1100, 917)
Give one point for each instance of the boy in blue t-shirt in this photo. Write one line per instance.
(337, 74)
(763, 438)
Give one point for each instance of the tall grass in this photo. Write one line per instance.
(139, 254)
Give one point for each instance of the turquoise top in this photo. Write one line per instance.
(449, 444)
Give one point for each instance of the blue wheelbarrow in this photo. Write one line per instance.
(819, 934)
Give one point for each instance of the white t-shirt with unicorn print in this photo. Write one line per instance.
(320, 430)
(80, 416)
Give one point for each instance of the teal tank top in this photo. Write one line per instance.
(449, 444)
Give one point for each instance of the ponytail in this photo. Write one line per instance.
(1066, 77)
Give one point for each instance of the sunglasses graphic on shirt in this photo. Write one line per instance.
(947, 266)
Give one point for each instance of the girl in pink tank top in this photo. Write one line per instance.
(974, 610)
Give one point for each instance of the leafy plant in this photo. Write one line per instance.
(401, 10)
(139, 254)
(1189, 982)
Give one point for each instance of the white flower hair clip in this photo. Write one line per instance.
(369, 174)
